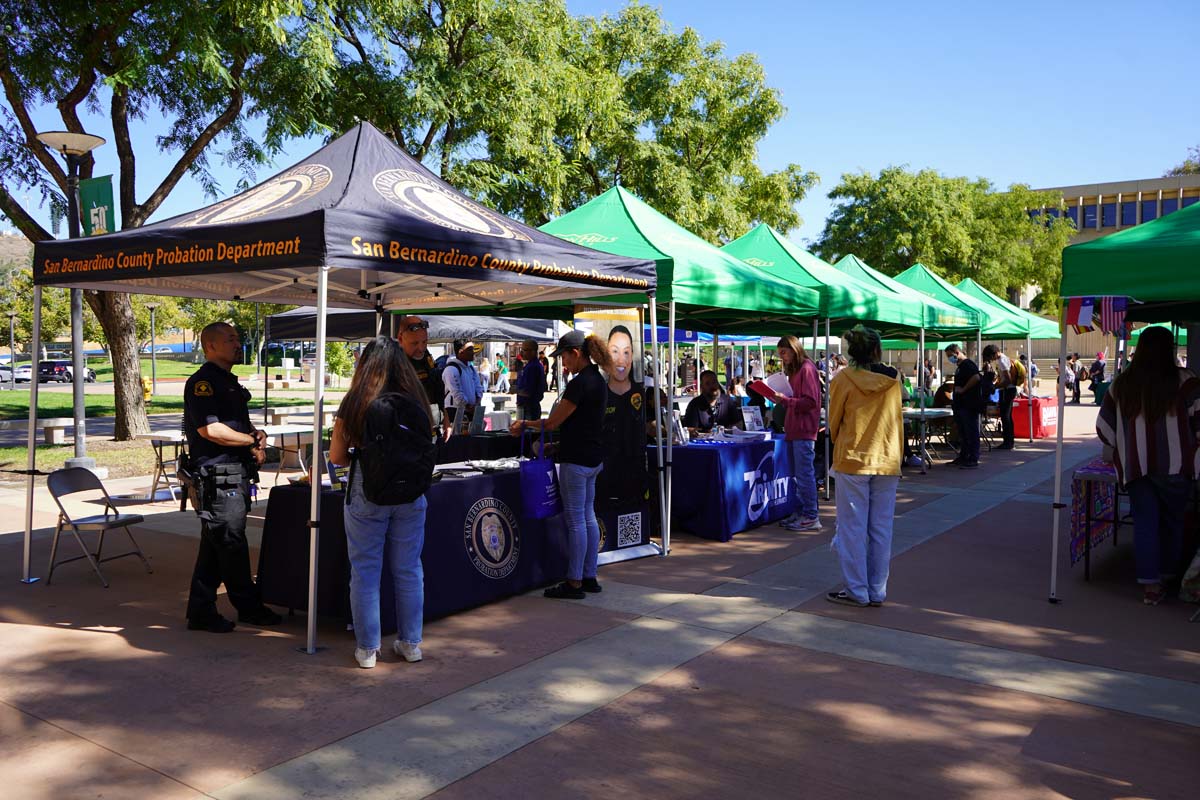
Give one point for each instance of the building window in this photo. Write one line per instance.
(1149, 210)
(1129, 212)
(1170, 205)
(1089, 216)
(1073, 215)
(1108, 215)
(1053, 212)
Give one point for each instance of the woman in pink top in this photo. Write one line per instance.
(800, 426)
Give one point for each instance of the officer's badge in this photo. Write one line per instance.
(636, 401)
(202, 389)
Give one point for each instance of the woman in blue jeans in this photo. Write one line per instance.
(375, 532)
(1149, 421)
(801, 425)
(579, 417)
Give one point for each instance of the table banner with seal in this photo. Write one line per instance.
(479, 548)
(724, 487)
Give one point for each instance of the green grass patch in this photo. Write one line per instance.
(168, 367)
(15, 404)
(123, 459)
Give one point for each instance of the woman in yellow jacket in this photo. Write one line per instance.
(865, 422)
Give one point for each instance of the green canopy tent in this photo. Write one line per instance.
(940, 319)
(1153, 264)
(845, 300)
(1181, 337)
(704, 288)
(996, 321)
(1031, 326)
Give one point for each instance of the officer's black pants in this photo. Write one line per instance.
(224, 556)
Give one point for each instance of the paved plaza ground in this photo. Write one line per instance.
(718, 671)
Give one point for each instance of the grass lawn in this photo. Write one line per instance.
(167, 367)
(123, 459)
(15, 404)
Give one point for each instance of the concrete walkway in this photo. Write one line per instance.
(719, 670)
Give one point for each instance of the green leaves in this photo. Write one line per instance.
(963, 228)
(534, 112)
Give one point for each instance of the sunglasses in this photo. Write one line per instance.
(417, 326)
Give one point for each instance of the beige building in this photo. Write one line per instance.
(1098, 209)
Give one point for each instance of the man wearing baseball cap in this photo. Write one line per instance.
(464, 390)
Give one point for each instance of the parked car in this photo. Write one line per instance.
(24, 372)
(6, 375)
(163, 349)
(59, 371)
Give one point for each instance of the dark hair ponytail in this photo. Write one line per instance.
(863, 344)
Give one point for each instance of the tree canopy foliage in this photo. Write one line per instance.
(1189, 166)
(534, 112)
(197, 72)
(963, 228)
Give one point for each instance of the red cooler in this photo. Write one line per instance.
(1045, 417)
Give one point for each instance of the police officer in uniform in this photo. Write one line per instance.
(224, 452)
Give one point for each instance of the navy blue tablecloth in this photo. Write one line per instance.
(723, 488)
(461, 570)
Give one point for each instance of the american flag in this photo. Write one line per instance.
(1112, 314)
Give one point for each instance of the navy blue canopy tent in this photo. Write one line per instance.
(352, 325)
(357, 224)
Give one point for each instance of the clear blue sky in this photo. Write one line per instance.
(1021, 92)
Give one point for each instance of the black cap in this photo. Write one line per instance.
(572, 340)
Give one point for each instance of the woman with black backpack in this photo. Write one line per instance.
(369, 434)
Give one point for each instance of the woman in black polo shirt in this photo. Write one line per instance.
(579, 414)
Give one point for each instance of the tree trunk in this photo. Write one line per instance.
(115, 313)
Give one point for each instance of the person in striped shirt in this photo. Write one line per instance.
(1150, 418)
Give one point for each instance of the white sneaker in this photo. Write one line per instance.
(409, 652)
(802, 524)
(365, 658)
(789, 519)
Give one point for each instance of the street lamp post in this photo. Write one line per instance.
(12, 349)
(74, 147)
(153, 353)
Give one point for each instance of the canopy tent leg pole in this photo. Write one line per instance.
(266, 339)
(716, 365)
(745, 364)
(828, 441)
(35, 346)
(392, 325)
(663, 520)
(379, 324)
(926, 461)
(1061, 394)
(314, 473)
(670, 400)
(699, 353)
(1029, 380)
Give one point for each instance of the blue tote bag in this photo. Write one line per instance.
(539, 485)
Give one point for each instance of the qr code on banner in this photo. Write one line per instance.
(629, 529)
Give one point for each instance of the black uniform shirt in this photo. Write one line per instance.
(429, 381)
(214, 395)
(625, 424)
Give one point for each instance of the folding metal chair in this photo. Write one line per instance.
(64, 482)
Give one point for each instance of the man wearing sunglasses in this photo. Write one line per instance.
(414, 341)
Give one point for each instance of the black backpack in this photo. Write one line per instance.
(397, 452)
(439, 367)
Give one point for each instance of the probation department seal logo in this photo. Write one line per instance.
(492, 538)
(282, 191)
(432, 202)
